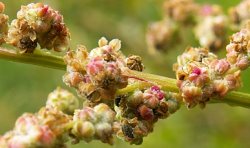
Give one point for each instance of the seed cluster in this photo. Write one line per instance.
(37, 23)
(98, 74)
(201, 75)
(53, 127)
(211, 27)
(208, 23)
(47, 128)
(138, 111)
(62, 100)
(94, 123)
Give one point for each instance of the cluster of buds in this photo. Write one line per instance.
(98, 74)
(37, 23)
(63, 100)
(138, 111)
(209, 22)
(47, 128)
(201, 75)
(240, 14)
(238, 50)
(3, 24)
(211, 27)
(130, 118)
(94, 123)
(54, 124)
(164, 34)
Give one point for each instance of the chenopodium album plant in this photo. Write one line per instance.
(119, 99)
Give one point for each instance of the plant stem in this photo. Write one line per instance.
(38, 58)
(233, 98)
(41, 58)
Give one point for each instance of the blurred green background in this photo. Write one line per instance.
(24, 88)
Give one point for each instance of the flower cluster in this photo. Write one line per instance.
(211, 27)
(37, 23)
(238, 51)
(139, 111)
(3, 23)
(101, 75)
(98, 74)
(50, 127)
(62, 100)
(165, 33)
(47, 128)
(201, 75)
(240, 14)
(94, 123)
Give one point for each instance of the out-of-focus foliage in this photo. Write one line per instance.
(24, 88)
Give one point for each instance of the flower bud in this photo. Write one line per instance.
(84, 130)
(146, 113)
(134, 63)
(62, 100)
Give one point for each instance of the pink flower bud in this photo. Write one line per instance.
(221, 66)
(95, 66)
(242, 62)
(196, 71)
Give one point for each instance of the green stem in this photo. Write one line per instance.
(40, 58)
(233, 98)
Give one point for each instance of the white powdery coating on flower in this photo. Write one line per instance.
(62, 100)
(94, 123)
